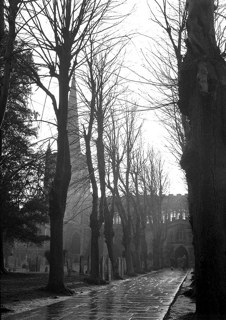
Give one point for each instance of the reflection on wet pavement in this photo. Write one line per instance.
(144, 297)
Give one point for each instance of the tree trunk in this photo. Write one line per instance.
(128, 249)
(58, 193)
(95, 233)
(139, 226)
(127, 238)
(156, 252)
(95, 221)
(144, 254)
(129, 259)
(3, 213)
(109, 235)
(203, 99)
(137, 241)
(57, 205)
(2, 265)
(56, 273)
(157, 234)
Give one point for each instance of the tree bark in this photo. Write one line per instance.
(56, 273)
(109, 235)
(127, 237)
(95, 233)
(140, 225)
(202, 89)
(144, 254)
(57, 205)
(58, 193)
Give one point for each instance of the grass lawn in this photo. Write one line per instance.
(21, 289)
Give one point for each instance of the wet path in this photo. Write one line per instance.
(145, 297)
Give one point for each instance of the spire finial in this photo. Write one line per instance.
(73, 82)
(73, 123)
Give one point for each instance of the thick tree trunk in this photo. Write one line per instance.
(95, 233)
(203, 99)
(129, 259)
(206, 174)
(127, 237)
(57, 205)
(157, 242)
(144, 254)
(138, 210)
(58, 193)
(109, 235)
(56, 273)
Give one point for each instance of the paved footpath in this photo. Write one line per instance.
(145, 297)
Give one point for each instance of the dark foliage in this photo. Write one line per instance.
(21, 167)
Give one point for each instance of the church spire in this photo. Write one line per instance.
(73, 123)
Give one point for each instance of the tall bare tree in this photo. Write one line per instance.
(102, 80)
(202, 99)
(163, 64)
(122, 142)
(140, 209)
(59, 31)
(155, 181)
(113, 163)
(138, 182)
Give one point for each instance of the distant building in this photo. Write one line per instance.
(79, 197)
(176, 234)
(76, 232)
(177, 248)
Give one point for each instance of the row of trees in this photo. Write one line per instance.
(195, 87)
(16, 63)
(75, 30)
(119, 159)
(124, 177)
(132, 181)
